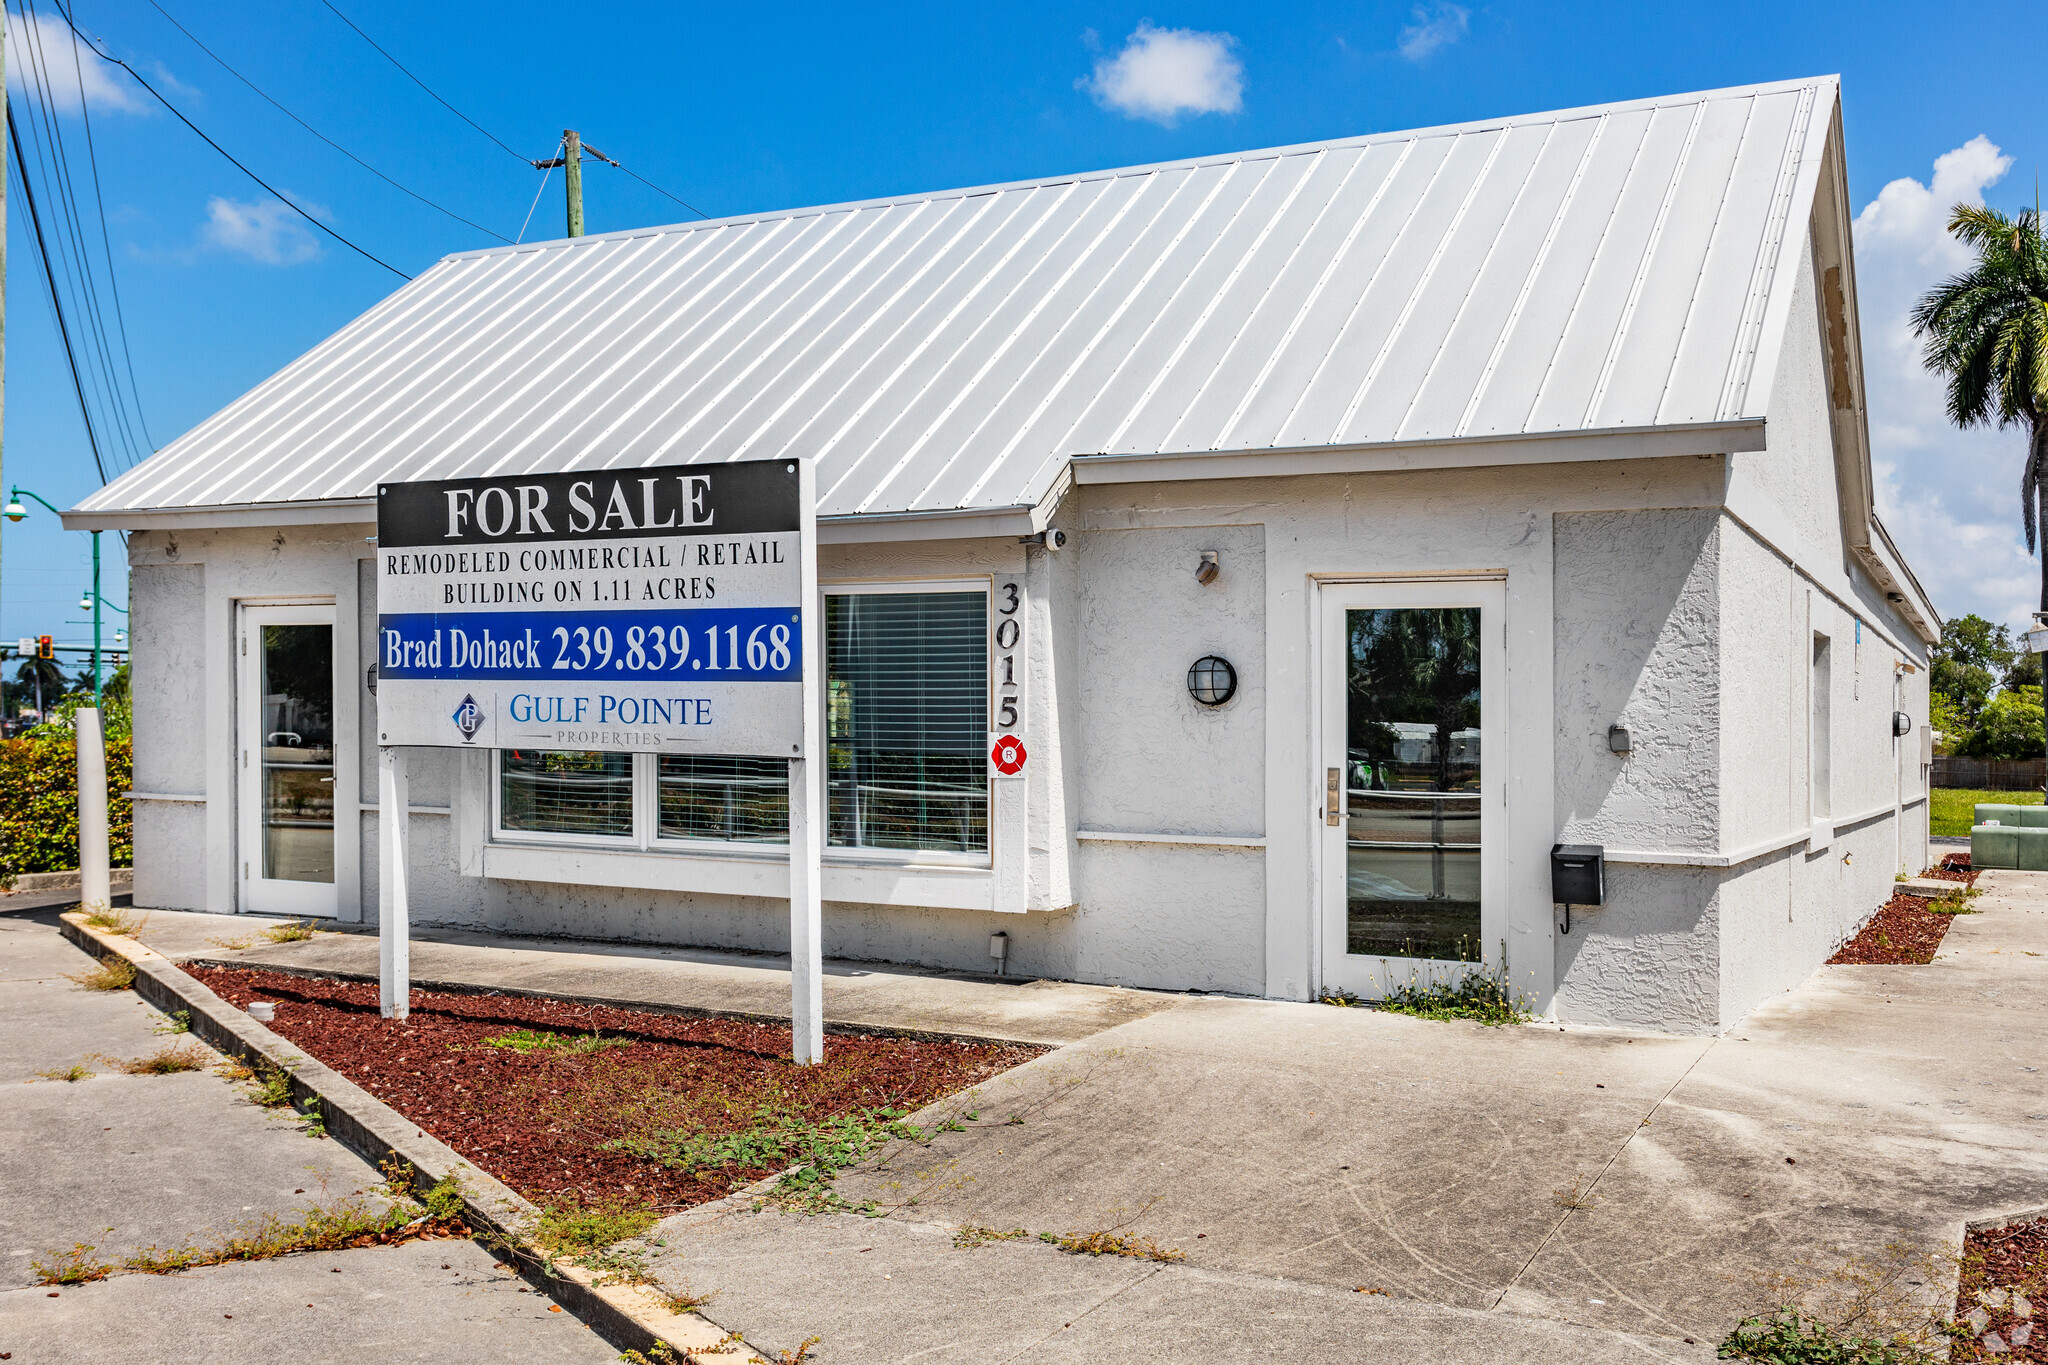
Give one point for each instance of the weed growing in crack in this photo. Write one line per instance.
(78, 1071)
(1785, 1338)
(234, 945)
(291, 931)
(1578, 1195)
(76, 1266)
(113, 974)
(111, 920)
(1115, 1240)
(1881, 1308)
(181, 1022)
(971, 1235)
(167, 1060)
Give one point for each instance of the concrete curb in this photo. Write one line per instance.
(118, 879)
(630, 1317)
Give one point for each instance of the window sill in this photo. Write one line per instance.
(846, 881)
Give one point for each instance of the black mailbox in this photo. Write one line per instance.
(1577, 874)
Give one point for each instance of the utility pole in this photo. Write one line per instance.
(571, 162)
(572, 178)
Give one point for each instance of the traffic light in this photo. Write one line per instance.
(46, 647)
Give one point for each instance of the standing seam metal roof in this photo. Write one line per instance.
(1594, 269)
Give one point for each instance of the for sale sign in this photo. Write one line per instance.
(653, 608)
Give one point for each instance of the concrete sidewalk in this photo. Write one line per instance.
(1300, 1154)
(868, 995)
(1515, 1194)
(121, 1162)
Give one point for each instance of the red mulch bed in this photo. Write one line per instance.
(1903, 931)
(2005, 1261)
(538, 1120)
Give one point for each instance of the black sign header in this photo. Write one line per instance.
(758, 497)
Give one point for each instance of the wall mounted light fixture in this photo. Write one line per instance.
(1211, 680)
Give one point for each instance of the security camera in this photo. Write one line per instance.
(1055, 538)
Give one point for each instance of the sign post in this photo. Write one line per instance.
(807, 813)
(670, 609)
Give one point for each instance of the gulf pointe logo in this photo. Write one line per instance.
(468, 718)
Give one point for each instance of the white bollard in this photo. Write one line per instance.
(95, 891)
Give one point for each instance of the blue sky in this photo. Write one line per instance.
(734, 111)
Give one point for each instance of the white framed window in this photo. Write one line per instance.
(907, 715)
(907, 719)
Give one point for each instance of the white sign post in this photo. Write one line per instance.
(669, 609)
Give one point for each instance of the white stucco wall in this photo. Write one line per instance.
(167, 608)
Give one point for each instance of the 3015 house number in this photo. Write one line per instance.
(1009, 639)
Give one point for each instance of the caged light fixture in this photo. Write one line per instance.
(1211, 680)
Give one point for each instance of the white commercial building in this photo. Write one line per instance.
(1518, 471)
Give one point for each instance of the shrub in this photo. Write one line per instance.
(39, 795)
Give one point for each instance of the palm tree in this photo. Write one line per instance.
(1987, 331)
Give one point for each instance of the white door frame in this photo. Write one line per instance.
(260, 894)
(1366, 977)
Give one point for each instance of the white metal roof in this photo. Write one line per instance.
(1590, 270)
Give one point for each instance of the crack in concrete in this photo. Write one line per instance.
(1104, 1300)
(1558, 1226)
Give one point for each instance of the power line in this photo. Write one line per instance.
(107, 246)
(78, 261)
(179, 115)
(317, 133)
(422, 84)
(485, 131)
(43, 252)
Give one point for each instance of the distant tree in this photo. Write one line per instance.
(1986, 330)
(2011, 727)
(55, 685)
(116, 685)
(2025, 670)
(1973, 658)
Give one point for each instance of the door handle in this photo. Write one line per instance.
(1333, 796)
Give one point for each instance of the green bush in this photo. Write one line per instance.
(1784, 1338)
(39, 794)
(2009, 727)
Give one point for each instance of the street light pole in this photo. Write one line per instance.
(16, 512)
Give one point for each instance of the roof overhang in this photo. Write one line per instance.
(1704, 438)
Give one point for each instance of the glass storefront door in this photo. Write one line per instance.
(286, 760)
(1408, 790)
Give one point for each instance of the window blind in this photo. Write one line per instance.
(555, 792)
(907, 698)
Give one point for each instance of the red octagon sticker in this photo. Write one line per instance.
(1008, 755)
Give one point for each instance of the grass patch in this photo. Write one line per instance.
(524, 1040)
(167, 1060)
(113, 974)
(77, 1072)
(572, 1227)
(113, 920)
(76, 1266)
(810, 1152)
(1951, 808)
(291, 931)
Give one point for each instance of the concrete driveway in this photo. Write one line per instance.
(1518, 1194)
(121, 1162)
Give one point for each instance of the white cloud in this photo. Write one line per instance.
(1950, 497)
(41, 50)
(1165, 72)
(1435, 26)
(265, 230)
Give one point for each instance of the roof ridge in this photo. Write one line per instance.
(1148, 168)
